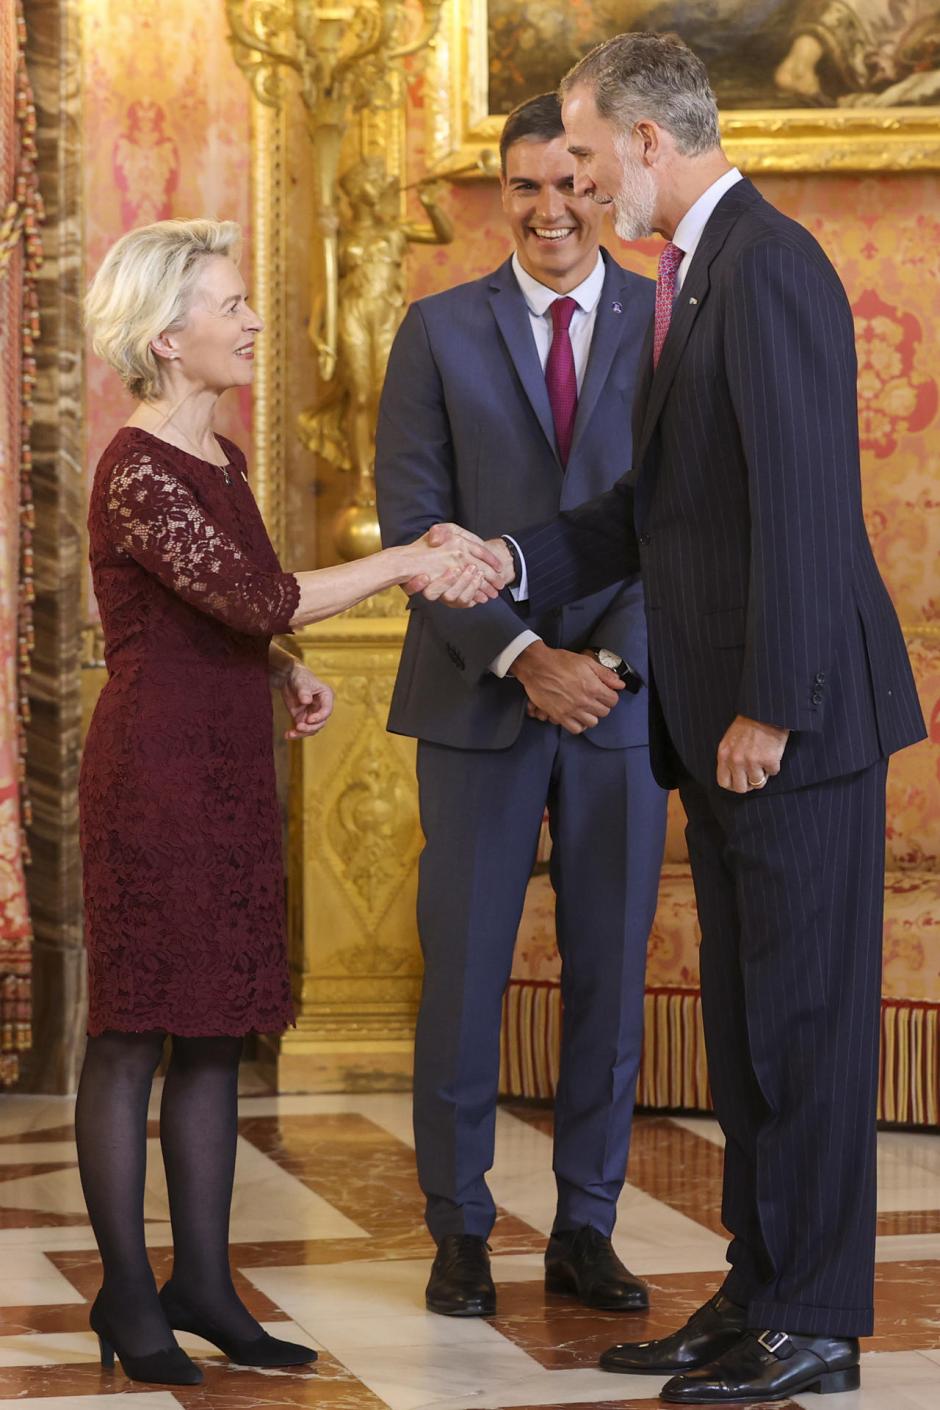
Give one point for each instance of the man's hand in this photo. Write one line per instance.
(565, 688)
(309, 702)
(493, 553)
(749, 754)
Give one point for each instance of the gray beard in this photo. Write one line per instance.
(635, 203)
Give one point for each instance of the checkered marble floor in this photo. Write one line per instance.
(329, 1245)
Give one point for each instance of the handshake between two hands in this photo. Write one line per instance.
(567, 688)
(452, 565)
(564, 688)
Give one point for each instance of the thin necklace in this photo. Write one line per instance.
(167, 420)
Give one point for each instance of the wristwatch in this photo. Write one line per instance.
(516, 560)
(612, 662)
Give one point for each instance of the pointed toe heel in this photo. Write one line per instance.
(168, 1367)
(263, 1351)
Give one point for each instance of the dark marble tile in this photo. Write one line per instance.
(48, 1134)
(369, 1176)
(909, 1221)
(325, 1386)
(907, 1307)
(676, 1166)
(560, 1334)
(650, 1404)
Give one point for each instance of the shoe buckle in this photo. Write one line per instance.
(773, 1341)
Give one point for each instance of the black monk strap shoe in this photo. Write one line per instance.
(582, 1262)
(461, 1284)
(710, 1331)
(769, 1366)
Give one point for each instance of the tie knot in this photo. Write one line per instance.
(562, 313)
(669, 260)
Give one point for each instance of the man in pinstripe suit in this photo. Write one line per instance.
(779, 685)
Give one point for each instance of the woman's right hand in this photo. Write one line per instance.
(461, 569)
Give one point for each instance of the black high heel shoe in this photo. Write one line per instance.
(168, 1367)
(265, 1350)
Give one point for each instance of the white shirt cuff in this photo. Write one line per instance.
(519, 590)
(500, 665)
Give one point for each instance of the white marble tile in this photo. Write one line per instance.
(125, 1400)
(904, 1248)
(73, 1348)
(55, 1192)
(705, 1126)
(891, 1380)
(19, 1115)
(908, 1171)
(37, 1153)
(49, 1237)
(28, 1278)
(649, 1236)
(920, 1148)
(555, 1388)
(371, 1317)
(269, 1203)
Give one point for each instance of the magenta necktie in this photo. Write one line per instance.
(669, 262)
(561, 376)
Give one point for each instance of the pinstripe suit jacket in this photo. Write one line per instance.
(744, 513)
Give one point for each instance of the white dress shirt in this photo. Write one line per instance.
(691, 227)
(688, 234)
(539, 299)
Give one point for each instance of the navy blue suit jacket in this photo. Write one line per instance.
(465, 434)
(744, 513)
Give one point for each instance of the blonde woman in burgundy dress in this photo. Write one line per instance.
(179, 817)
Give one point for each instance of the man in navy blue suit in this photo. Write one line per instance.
(505, 400)
(779, 684)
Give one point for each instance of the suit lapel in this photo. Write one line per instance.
(643, 383)
(687, 307)
(605, 341)
(512, 319)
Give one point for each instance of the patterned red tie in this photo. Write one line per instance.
(669, 262)
(561, 376)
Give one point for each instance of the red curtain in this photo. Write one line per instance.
(20, 212)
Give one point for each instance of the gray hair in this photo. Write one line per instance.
(653, 76)
(143, 289)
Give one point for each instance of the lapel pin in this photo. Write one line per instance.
(617, 306)
(693, 300)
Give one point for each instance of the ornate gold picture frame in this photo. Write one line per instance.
(765, 139)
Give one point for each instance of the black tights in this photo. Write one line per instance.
(198, 1130)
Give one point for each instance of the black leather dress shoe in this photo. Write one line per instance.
(709, 1332)
(769, 1366)
(461, 1284)
(582, 1262)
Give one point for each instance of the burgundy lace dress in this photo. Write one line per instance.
(180, 828)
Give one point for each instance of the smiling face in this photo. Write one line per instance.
(609, 166)
(214, 349)
(556, 231)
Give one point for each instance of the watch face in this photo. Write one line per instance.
(610, 659)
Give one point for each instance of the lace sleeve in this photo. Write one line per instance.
(158, 522)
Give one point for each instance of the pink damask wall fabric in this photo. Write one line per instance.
(167, 133)
(19, 256)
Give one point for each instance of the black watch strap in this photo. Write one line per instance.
(514, 555)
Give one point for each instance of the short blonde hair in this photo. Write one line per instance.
(142, 289)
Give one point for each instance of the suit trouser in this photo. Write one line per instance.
(481, 812)
(790, 894)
